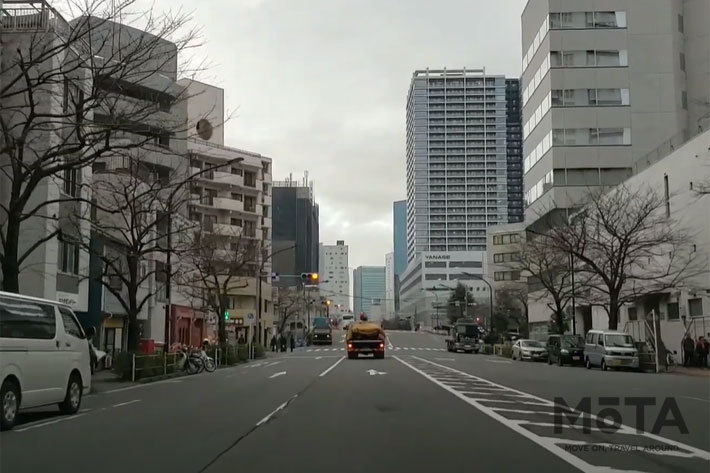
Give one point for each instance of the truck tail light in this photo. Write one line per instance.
(350, 346)
(382, 345)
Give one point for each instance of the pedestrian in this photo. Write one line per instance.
(688, 348)
(283, 342)
(293, 342)
(701, 351)
(273, 343)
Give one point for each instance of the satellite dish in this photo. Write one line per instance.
(204, 129)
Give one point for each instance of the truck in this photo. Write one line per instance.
(465, 335)
(322, 332)
(365, 338)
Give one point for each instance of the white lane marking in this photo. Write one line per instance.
(318, 357)
(276, 375)
(310, 349)
(318, 349)
(695, 398)
(499, 361)
(50, 422)
(270, 414)
(445, 359)
(406, 348)
(173, 381)
(126, 403)
(375, 372)
(551, 444)
(390, 344)
(272, 364)
(332, 366)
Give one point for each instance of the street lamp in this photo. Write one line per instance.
(490, 292)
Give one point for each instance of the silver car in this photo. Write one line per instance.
(527, 349)
(610, 349)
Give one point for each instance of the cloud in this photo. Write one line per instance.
(321, 85)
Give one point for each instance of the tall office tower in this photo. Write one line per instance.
(335, 275)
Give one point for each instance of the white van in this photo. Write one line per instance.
(610, 349)
(44, 356)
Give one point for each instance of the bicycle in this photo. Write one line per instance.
(671, 364)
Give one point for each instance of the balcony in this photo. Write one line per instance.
(17, 17)
(224, 203)
(227, 178)
(266, 199)
(225, 229)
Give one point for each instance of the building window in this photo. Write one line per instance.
(68, 256)
(673, 312)
(684, 100)
(695, 307)
(434, 264)
(666, 195)
(506, 257)
(681, 27)
(588, 20)
(631, 312)
(589, 58)
(71, 182)
(591, 136)
(682, 62)
(506, 275)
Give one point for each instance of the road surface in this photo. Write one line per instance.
(421, 409)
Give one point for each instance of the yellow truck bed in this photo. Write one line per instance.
(365, 331)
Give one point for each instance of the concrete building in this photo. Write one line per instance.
(295, 234)
(604, 83)
(457, 159)
(368, 289)
(335, 275)
(56, 269)
(390, 287)
(426, 282)
(685, 177)
(504, 247)
(232, 205)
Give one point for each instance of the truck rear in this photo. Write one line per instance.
(365, 338)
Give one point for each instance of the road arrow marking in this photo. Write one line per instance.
(318, 357)
(375, 372)
(275, 375)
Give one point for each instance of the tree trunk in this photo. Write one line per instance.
(10, 267)
(613, 312)
(133, 332)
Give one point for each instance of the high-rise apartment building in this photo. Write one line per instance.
(334, 275)
(368, 289)
(457, 159)
(603, 86)
(295, 235)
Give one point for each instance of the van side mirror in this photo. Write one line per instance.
(90, 331)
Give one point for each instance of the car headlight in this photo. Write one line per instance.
(328, 335)
(564, 352)
(526, 352)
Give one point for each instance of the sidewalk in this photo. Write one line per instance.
(697, 372)
(106, 380)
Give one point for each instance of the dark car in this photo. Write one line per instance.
(322, 332)
(565, 349)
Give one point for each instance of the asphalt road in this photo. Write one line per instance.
(421, 409)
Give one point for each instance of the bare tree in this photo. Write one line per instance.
(512, 300)
(217, 262)
(289, 303)
(626, 245)
(137, 216)
(549, 277)
(62, 105)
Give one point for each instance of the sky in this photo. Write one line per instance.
(321, 85)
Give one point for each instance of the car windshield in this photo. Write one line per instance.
(467, 330)
(618, 340)
(572, 342)
(320, 322)
(531, 344)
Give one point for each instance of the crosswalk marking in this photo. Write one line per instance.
(310, 350)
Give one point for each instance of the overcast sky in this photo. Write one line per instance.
(321, 85)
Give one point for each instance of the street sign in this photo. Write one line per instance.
(250, 317)
(274, 276)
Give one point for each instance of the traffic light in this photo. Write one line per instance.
(226, 315)
(327, 302)
(310, 278)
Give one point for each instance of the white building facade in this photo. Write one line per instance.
(334, 275)
(425, 284)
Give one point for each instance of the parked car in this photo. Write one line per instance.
(610, 349)
(565, 349)
(44, 356)
(527, 349)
